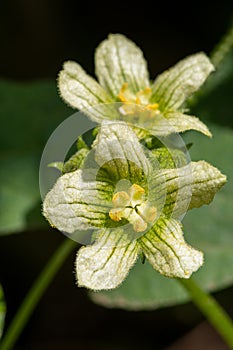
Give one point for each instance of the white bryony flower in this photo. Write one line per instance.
(133, 204)
(124, 80)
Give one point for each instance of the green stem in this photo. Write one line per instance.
(214, 313)
(220, 51)
(35, 293)
(222, 48)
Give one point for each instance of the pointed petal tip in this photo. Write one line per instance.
(119, 60)
(172, 88)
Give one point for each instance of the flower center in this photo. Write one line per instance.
(139, 102)
(132, 205)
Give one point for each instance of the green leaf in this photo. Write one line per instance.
(2, 311)
(208, 229)
(19, 191)
(26, 125)
(143, 289)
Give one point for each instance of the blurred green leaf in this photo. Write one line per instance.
(2, 311)
(209, 228)
(29, 114)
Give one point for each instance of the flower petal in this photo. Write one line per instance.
(168, 123)
(118, 148)
(118, 60)
(183, 122)
(187, 187)
(175, 85)
(81, 91)
(207, 181)
(78, 202)
(105, 264)
(166, 250)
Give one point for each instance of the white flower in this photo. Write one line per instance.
(123, 77)
(134, 207)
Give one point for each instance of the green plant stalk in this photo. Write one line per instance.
(213, 312)
(222, 48)
(205, 302)
(35, 293)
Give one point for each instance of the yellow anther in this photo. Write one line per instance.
(137, 103)
(153, 106)
(120, 199)
(116, 214)
(125, 95)
(132, 206)
(137, 194)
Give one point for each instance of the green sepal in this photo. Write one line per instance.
(81, 143)
(169, 158)
(57, 165)
(76, 161)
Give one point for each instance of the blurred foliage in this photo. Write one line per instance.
(29, 114)
(2, 310)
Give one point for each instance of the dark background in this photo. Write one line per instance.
(36, 37)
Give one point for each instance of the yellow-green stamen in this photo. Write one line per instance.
(132, 206)
(139, 102)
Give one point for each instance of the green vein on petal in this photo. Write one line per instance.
(166, 250)
(78, 202)
(83, 92)
(174, 86)
(121, 154)
(105, 264)
(118, 60)
(187, 187)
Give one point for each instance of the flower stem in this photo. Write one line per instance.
(35, 293)
(222, 48)
(213, 312)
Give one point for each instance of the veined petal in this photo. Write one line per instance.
(81, 91)
(207, 181)
(118, 148)
(175, 85)
(78, 202)
(176, 122)
(187, 187)
(105, 264)
(166, 250)
(118, 60)
(183, 122)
